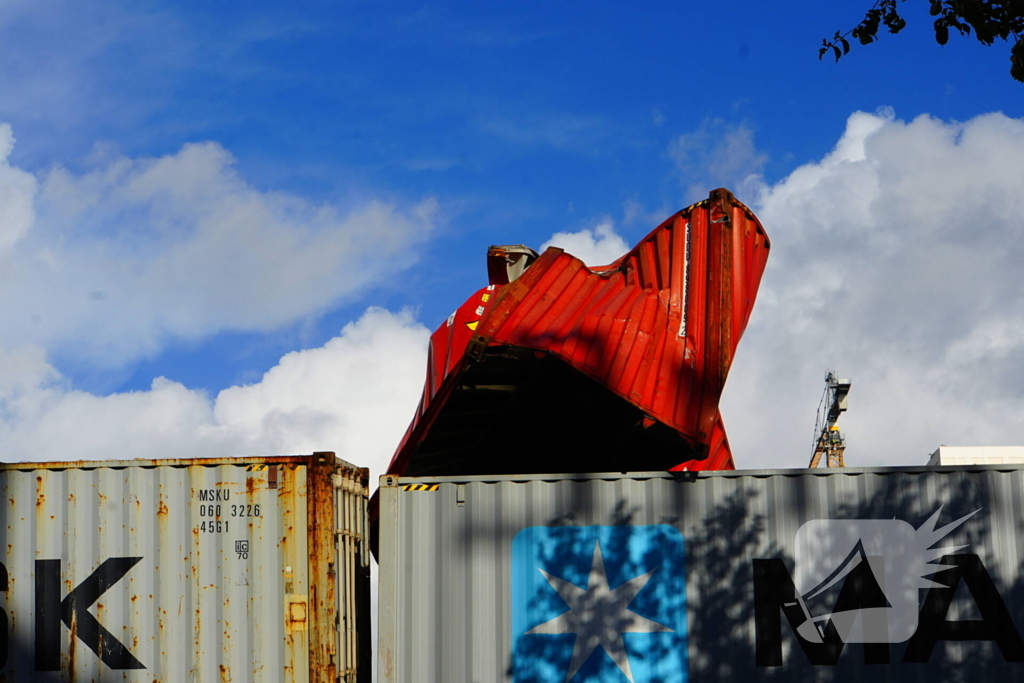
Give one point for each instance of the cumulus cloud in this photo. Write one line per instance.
(354, 396)
(109, 264)
(895, 260)
(596, 246)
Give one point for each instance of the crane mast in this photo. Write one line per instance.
(828, 440)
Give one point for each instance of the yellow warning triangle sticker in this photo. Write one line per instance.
(473, 324)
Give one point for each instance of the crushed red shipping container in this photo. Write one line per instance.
(557, 367)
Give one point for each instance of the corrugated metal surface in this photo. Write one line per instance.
(160, 571)
(469, 566)
(658, 328)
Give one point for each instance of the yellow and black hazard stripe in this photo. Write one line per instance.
(420, 487)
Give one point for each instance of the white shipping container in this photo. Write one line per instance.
(840, 575)
(159, 571)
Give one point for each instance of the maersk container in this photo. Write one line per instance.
(161, 571)
(897, 574)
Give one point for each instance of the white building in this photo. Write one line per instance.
(977, 455)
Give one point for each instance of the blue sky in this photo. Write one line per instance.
(193, 192)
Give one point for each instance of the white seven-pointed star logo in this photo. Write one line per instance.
(599, 615)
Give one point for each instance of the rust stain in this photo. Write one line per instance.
(284, 489)
(389, 665)
(71, 643)
(225, 674)
(197, 629)
(321, 603)
(162, 508)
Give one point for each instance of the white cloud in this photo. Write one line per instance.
(595, 247)
(110, 264)
(16, 191)
(895, 260)
(717, 154)
(355, 396)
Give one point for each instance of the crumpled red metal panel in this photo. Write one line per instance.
(658, 327)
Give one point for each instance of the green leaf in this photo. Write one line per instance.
(846, 46)
(1017, 61)
(838, 54)
(941, 33)
(936, 8)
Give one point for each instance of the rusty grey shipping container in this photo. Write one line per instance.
(898, 574)
(160, 571)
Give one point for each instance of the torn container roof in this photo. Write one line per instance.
(559, 367)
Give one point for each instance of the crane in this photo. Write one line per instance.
(828, 440)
